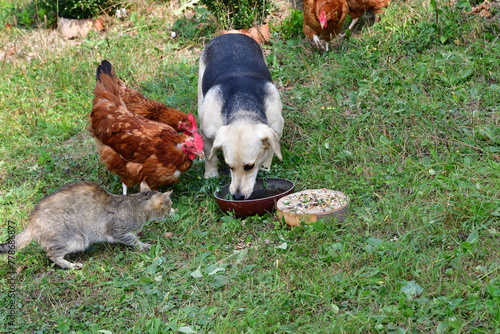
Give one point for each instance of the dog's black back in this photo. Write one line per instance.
(235, 63)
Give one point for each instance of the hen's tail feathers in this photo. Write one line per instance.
(20, 241)
(107, 85)
(105, 68)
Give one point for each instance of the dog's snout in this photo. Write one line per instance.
(238, 196)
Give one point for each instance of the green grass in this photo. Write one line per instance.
(403, 116)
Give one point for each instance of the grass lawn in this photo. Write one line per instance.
(403, 116)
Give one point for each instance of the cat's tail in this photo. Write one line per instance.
(20, 241)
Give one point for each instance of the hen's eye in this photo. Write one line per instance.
(248, 167)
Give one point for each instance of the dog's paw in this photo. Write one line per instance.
(265, 168)
(210, 174)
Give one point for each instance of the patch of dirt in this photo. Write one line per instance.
(33, 44)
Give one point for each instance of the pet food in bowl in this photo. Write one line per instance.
(312, 205)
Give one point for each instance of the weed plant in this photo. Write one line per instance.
(403, 116)
(239, 14)
(45, 12)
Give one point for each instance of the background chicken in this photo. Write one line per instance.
(134, 147)
(358, 7)
(324, 19)
(151, 109)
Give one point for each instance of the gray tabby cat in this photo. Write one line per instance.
(80, 214)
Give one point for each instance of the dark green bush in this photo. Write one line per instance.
(292, 26)
(196, 27)
(37, 12)
(239, 14)
(75, 9)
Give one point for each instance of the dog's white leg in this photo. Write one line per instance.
(266, 165)
(211, 166)
(200, 81)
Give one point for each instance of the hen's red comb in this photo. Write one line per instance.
(198, 140)
(193, 121)
(322, 18)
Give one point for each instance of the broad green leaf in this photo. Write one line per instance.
(384, 140)
(241, 256)
(465, 74)
(496, 213)
(63, 327)
(197, 273)
(442, 327)
(493, 290)
(146, 280)
(412, 289)
(216, 270)
(151, 269)
(473, 237)
(283, 246)
(390, 309)
(186, 330)
(219, 281)
(373, 244)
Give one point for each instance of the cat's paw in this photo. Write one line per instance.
(76, 266)
(144, 247)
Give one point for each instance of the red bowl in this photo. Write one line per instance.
(266, 193)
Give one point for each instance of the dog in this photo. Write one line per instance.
(240, 110)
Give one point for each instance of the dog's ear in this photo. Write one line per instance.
(220, 138)
(271, 138)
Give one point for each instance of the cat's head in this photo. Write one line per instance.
(160, 203)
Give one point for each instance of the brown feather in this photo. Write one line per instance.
(141, 105)
(336, 12)
(358, 7)
(132, 146)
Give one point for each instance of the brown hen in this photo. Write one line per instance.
(359, 7)
(133, 147)
(151, 109)
(323, 19)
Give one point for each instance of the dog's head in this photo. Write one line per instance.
(246, 148)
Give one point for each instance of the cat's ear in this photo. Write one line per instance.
(159, 200)
(166, 195)
(144, 186)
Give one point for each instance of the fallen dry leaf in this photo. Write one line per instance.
(260, 34)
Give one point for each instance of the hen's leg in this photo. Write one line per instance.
(124, 187)
(317, 41)
(353, 23)
(320, 43)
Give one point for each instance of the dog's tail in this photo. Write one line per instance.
(18, 242)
